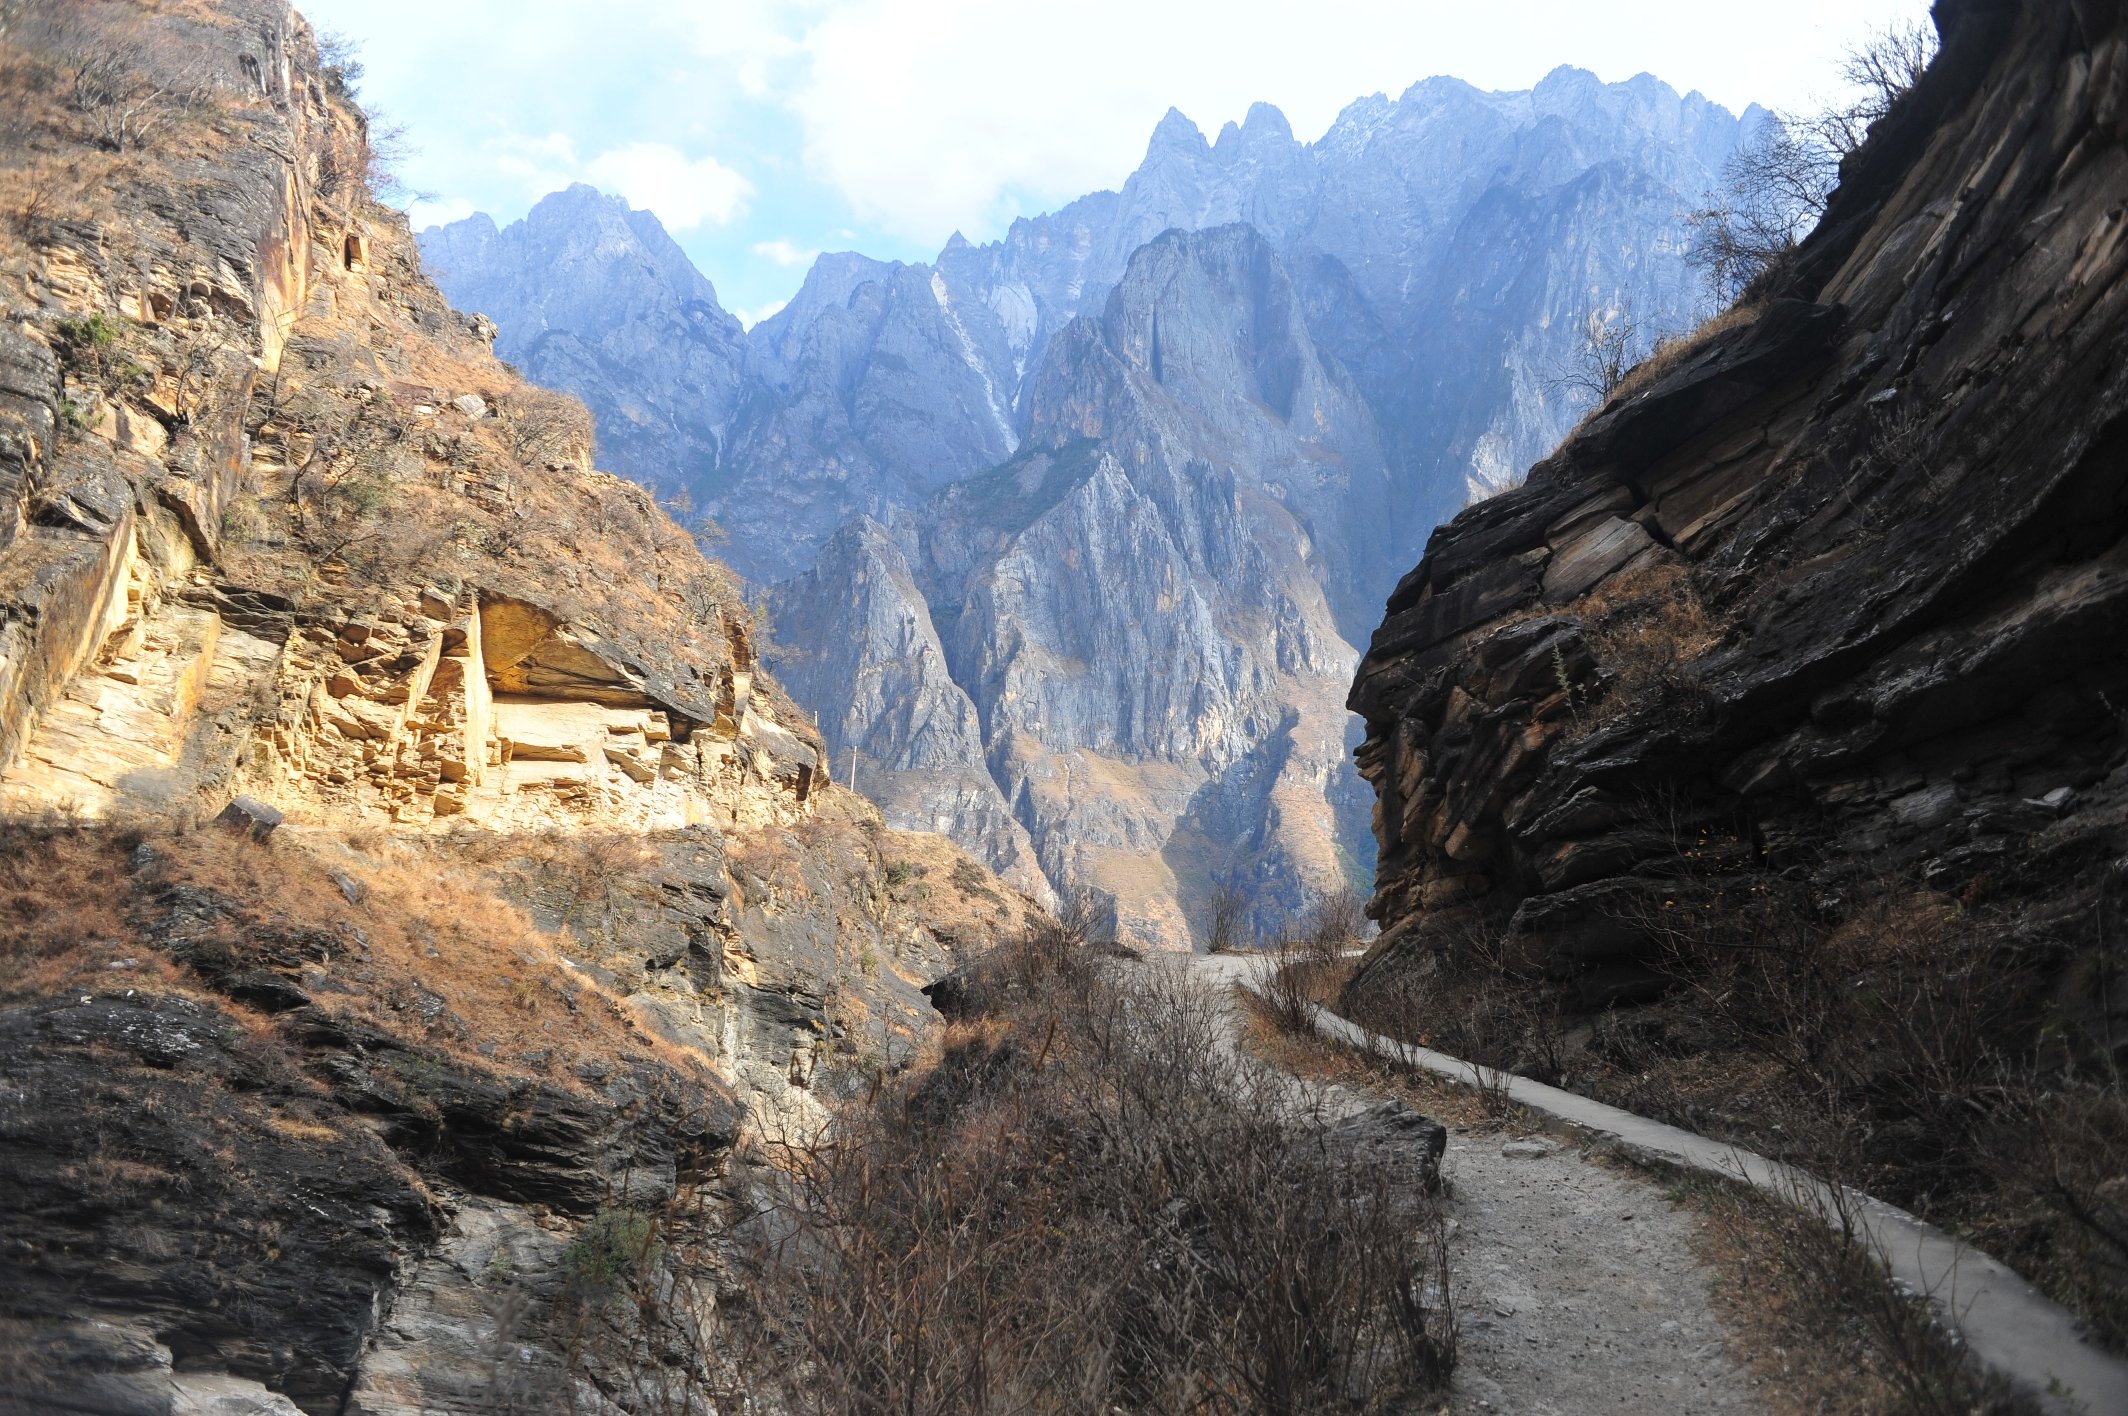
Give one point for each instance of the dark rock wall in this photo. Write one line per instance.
(1844, 584)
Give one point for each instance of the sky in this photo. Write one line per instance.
(762, 132)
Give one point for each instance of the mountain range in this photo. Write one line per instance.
(1079, 527)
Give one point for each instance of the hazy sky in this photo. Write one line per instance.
(763, 131)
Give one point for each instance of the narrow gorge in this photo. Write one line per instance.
(1438, 769)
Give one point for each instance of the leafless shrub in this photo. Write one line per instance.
(1226, 919)
(1474, 996)
(1807, 1280)
(1646, 627)
(1094, 1202)
(1281, 982)
(1880, 71)
(544, 429)
(41, 193)
(114, 77)
(1774, 189)
(1611, 344)
(1910, 1044)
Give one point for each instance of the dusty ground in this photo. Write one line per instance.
(1577, 1284)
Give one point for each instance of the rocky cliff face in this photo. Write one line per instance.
(372, 1109)
(1143, 654)
(1418, 282)
(1832, 594)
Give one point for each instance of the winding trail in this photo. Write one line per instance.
(1576, 1283)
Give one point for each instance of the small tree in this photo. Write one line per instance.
(1226, 918)
(1611, 344)
(544, 429)
(126, 92)
(1775, 187)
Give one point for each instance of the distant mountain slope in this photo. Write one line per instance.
(617, 316)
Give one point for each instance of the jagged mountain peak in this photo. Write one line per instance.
(1176, 133)
(1264, 126)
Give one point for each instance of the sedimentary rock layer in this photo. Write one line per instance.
(1835, 589)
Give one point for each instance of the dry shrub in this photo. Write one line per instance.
(1646, 628)
(1310, 960)
(586, 878)
(1226, 919)
(1913, 1047)
(1317, 1058)
(1669, 354)
(1093, 1202)
(1818, 1321)
(1477, 997)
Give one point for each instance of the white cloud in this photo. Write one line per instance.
(540, 164)
(423, 214)
(686, 193)
(784, 253)
(929, 115)
(754, 316)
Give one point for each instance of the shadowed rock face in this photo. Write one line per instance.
(1844, 583)
(1386, 339)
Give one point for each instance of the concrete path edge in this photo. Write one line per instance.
(2009, 1326)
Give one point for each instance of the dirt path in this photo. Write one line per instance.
(1579, 1289)
(1576, 1282)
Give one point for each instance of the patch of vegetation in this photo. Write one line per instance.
(1819, 1321)
(1091, 1203)
(614, 1245)
(1917, 1046)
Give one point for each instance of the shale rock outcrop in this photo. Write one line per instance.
(1833, 591)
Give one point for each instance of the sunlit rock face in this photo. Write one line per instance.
(1372, 329)
(541, 896)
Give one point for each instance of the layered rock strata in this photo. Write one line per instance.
(1832, 592)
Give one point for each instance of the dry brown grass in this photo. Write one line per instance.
(1087, 1203)
(1311, 1056)
(63, 918)
(1815, 1319)
(1647, 627)
(79, 909)
(1669, 353)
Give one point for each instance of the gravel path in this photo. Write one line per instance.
(1576, 1282)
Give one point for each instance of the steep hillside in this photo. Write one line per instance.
(531, 895)
(1794, 681)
